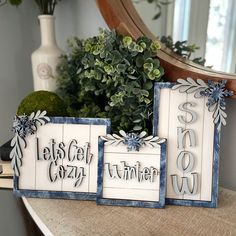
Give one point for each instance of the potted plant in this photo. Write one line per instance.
(113, 76)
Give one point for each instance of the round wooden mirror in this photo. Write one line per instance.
(122, 16)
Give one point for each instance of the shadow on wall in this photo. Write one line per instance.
(79, 18)
(228, 148)
(19, 38)
(14, 219)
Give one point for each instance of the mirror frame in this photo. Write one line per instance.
(122, 16)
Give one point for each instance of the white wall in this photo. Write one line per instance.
(78, 18)
(158, 27)
(228, 148)
(20, 36)
(17, 40)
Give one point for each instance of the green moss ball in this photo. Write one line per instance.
(43, 101)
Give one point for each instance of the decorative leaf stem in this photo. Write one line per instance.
(216, 93)
(133, 141)
(23, 126)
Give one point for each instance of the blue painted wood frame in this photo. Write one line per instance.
(133, 203)
(63, 194)
(216, 151)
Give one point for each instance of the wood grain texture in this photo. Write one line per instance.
(175, 100)
(95, 132)
(131, 191)
(45, 134)
(197, 150)
(80, 133)
(122, 16)
(27, 179)
(205, 152)
(34, 180)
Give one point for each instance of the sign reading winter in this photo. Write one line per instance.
(132, 170)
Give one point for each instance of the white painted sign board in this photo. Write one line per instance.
(185, 115)
(132, 177)
(60, 159)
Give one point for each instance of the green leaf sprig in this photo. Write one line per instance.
(112, 76)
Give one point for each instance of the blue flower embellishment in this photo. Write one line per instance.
(23, 126)
(216, 93)
(133, 142)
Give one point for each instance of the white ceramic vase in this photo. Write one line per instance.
(46, 58)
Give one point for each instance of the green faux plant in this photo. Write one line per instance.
(183, 49)
(111, 76)
(158, 4)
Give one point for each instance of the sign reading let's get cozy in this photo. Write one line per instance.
(56, 156)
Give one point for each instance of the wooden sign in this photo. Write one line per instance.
(56, 157)
(131, 170)
(190, 115)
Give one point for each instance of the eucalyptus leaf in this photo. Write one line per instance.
(148, 85)
(114, 85)
(137, 121)
(144, 93)
(132, 77)
(137, 128)
(139, 61)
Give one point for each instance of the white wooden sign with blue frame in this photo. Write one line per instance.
(190, 115)
(132, 170)
(56, 157)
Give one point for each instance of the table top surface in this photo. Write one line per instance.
(71, 217)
